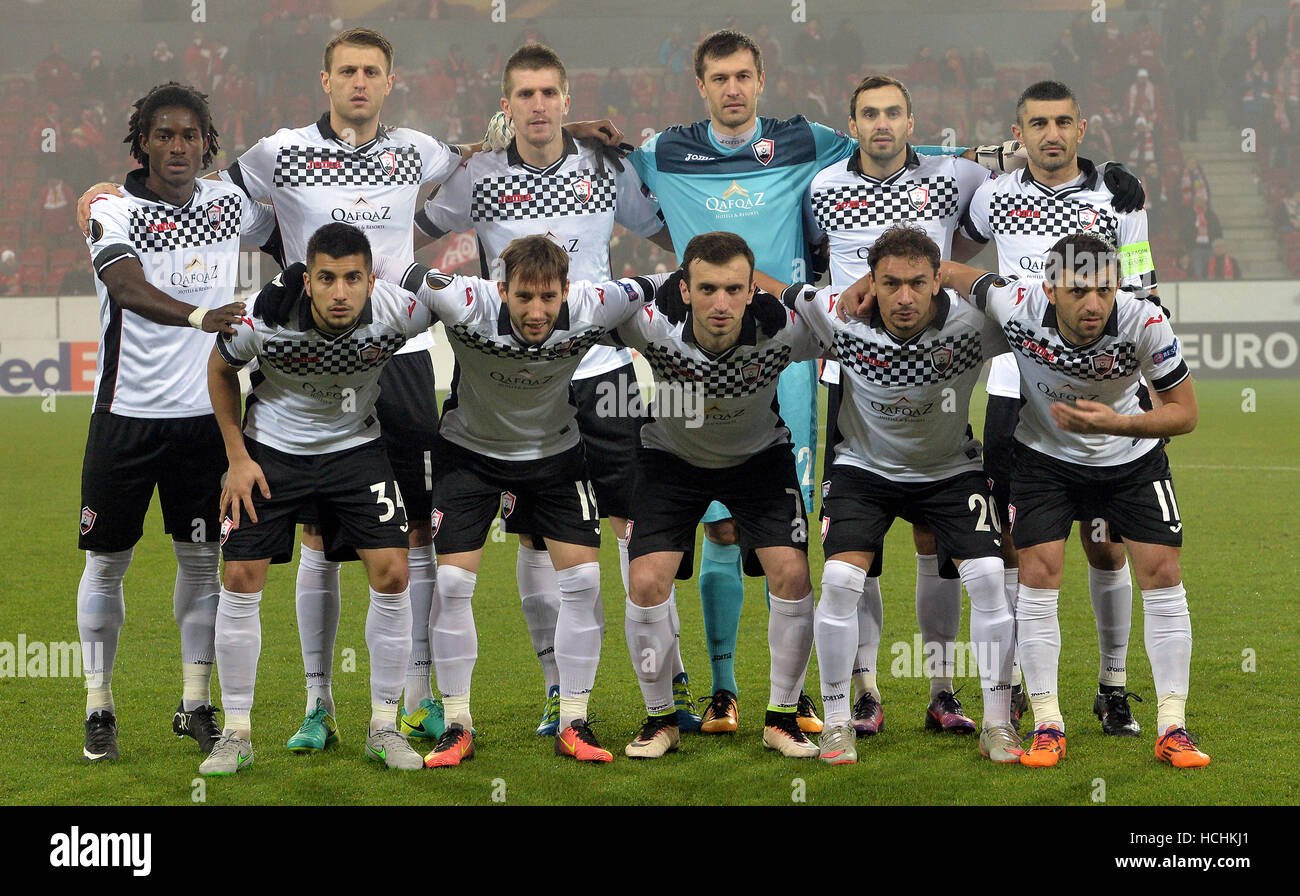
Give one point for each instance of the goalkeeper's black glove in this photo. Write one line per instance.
(1127, 189)
(274, 304)
(668, 299)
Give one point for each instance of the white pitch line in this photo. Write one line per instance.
(1243, 469)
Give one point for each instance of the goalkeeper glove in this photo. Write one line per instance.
(274, 304)
(1124, 187)
(500, 131)
(1002, 157)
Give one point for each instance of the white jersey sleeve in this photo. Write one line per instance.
(637, 209)
(257, 222)
(438, 161)
(241, 348)
(975, 223)
(1160, 353)
(970, 177)
(254, 171)
(110, 233)
(447, 210)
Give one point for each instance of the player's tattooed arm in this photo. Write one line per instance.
(130, 288)
(1176, 416)
(243, 472)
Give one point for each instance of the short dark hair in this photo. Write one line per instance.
(1082, 253)
(531, 58)
(872, 82)
(715, 247)
(1041, 91)
(907, 242)
(360, 37)
(171, 95)
(339, 240)
(535, 259)
(724, 43)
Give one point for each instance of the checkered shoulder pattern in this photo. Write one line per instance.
(156, 228)
(512, 197)
(1110, 362)
(920, 364)
(314, 166)
(738, 375)
(860, 205)
(573, 344)
(303, 357)
(1045, 216)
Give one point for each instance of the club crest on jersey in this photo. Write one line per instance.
(826, 527)
(507, 504)
(941, 359)
(227, 526)
(582, 189)
(751, 372)
(1011, 517)
(1102, 364)
(88, 518)
(388, 161)
(436, 519)
(764, 150)
(919, 196)
(826, 488)
(213, 214)
(370, 352)
(1087, 218)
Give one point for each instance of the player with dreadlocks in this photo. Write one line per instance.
(165, 256)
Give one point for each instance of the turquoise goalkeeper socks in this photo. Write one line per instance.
(722, 595)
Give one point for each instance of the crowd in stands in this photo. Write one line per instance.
(1141, 89)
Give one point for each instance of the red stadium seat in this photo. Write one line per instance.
(33, 255)
(24, 168)
(66, 257)
(54, 279)
(32, 279)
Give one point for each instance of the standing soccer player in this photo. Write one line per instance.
(1058, 194)
(546, 182)
(152, 423)
(1085, 446)
(717, 434)
(849, 205)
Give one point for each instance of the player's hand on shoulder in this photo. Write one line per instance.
(222, 320)
(1124, 187)
(276, 300)
(604, 130)
(857, 301)
(83, 204)
(237, 489)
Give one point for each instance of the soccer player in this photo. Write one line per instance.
(311, 437)
(546, 182)
(508, 441)
(152, 423)
(905, 449)
(848, 206)
(1085, 446)
(1061, 193)
(718, 349)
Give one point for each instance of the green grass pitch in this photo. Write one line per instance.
(1237, 478)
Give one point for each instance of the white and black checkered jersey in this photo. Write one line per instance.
(510, 400)
(1024, 218)
(717, 412)
(577, 200)
(314, 177)
(1137, 341)
(852, 209)
(906, 403)
(313, 392)
(190, 252)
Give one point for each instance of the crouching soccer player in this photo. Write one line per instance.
(716, 351)
(311, 438)
(905, 451)
(1085, 446)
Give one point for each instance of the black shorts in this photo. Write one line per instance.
(860, 506)
(610, 414)
(547, 498)
(407, 409)
(1136, 498)
(763, 495)
(126, 457)
(353, 494)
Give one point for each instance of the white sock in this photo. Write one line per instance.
(993, 631)
(454, 638)
(871, 621)
(835, 628)
(424, 584)
(649, 641)
(539, 594)
(577, 638)
(624, 565)
(1167, 626)
(194, 604)
(317, 601)
(1038, 638)
(1112, 603)
(1011, 576)
(790, 640)
(676, 660)
(239, 644)
(388, 640)
(938, 615)
(101, 610)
